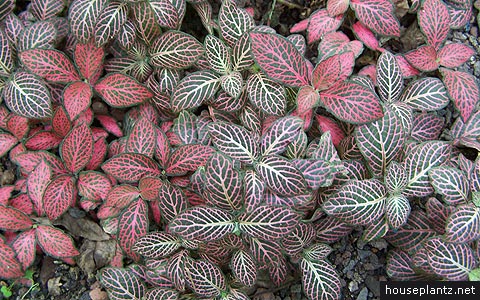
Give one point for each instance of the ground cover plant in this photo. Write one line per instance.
(217, 156)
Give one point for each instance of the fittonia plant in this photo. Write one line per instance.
(215, 159)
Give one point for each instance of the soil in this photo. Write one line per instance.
(361, 266)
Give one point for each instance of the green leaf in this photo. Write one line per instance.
(193, 89)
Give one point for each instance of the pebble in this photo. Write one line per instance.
(373, 285)
(352, 286)
(363, 295)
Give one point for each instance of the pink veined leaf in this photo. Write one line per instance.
(110, 22)
(463, 90)
(407, 69)
(59, 196)
(89, 60)
(28, 160)
(83, 15)
(172, 201)
(366, 36)
(322, 23)
(188, 158)
(265, 252)
(175, 50)
(55, 242)
(280, 175)
(162, 148)
(352, 102)
(359, 202)
(7, 141)
(61, 124)
(43, 140)
(142, 138)
(317, 172)
(419, 161)
(234, 22)
(132, 225)
(13, 220)
(438, 213)
(278, 272)
(378, 14)
(449, 260)
(149, 187)
(268, 222)
(425, 94)
(328, 125)
(77, 97)
(281, 133)
(303, 234)
(333, 70)
(234, 141)
(299, 41)
(320, 280)
(37, 182)
(194, 89)
(40, 34)
(24, 246)
(110, 125)
(463, 226)
(426, 127)
(77, 147)
(244, 267)
(423, 58)
(22, 203)
(454, 55)
(459, 15)
(18, 126)
(381, 141)
(451, 183)
(400, 266)
(122, 283)
(203, 224)
(5, 8)
(337, 7)
(166, 13)
(157, 245)
(50, 64)
(434, 21)
(222, 183)
(205, 278)
(254, 189)
(131, 167)
(120, 90)
(26, 95)
(43, 10)
(93, 185)
(300, 26)
(279, 59)
(10, 267)
(98, 154)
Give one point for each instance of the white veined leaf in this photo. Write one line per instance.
(450, 182)
(218, 55)
(266, 94)
(389, 77)
(194, 89)
(463, 226)
(397, 210)
(320, 280)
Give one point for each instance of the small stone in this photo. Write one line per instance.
(459, 36)
(476, 69)
(352, 286)
(363, 295)
(474, 31)
(351, 264)
(379, 244)
(363, 254)
(373, 285)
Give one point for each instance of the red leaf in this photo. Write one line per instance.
(77, 147)
(93, 185)
(37, 182)
(327, 124)
(43, 140)
(454, 55)
(98, 155)
(22, 203)
(149, 187)
(188, 158)
(131, 167)
(300, 26)
(10, 267)
(60, 122)
(24, 246)
(423, 58)
(337, 7)
(132, 225)
(405, 67)
(77, 98)
(5, 193)
(463, 90)
(307, 99)
(279, 59)
(434, 21)
(110, 125)
(352, 102)
(55, 242)
(120, 90)
(29, 160)
(162, 148)
(142, 138)
(366, 36)
(7, 141)
(13, 220)
(89, 60)
(320, 24)
(119, 197)
(18, 126)
(59, 195)
(332, 70)
(378, 15)
(53, 65)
